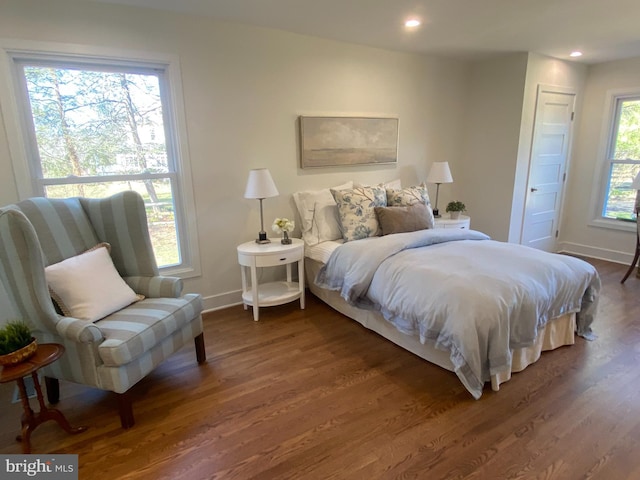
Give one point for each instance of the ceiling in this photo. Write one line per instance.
(603, 29)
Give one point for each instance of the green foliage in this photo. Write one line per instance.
(107, 124)
(92, 122)
(456, 206)
(621, 197)
(13, 336)
(627, 142)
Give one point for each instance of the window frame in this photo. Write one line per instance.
(605, 159)
(28, 176)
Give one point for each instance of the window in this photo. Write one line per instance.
(623, 158)
(94, 126)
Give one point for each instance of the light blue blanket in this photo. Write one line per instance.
(460, 291)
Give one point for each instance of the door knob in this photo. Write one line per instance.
(533, 189)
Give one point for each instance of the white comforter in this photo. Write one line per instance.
(464, 293)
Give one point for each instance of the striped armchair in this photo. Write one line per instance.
(115, 352)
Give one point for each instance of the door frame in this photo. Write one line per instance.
(543, 88)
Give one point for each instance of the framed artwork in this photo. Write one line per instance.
(347, 141)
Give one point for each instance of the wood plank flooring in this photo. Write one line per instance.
(313, 395)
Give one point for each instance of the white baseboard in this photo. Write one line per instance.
(223, 300)
(596, 252)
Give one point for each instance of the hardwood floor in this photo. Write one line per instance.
(313, 395)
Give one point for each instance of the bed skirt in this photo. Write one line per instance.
(558, 332)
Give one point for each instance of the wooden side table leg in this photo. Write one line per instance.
(46, 414)
(27, 418)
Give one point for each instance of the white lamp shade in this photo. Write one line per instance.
(260, 184)
(635, 185)
(440, 173)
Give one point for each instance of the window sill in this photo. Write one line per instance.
(180, 271)
(624, 225)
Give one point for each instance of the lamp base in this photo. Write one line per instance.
(436, 213)
(262, 238)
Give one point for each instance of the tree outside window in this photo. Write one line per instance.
(101, 129)
(623, 159)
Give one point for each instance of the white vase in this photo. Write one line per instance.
(454, 215)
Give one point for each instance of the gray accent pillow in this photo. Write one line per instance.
(403, 219)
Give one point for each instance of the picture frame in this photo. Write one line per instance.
(338, 141)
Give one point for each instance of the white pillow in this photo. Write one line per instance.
(319, 214)
(395, 184)
(88, 285)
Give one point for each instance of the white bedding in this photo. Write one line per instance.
(322, 251)
(476, 298)
(557, 333)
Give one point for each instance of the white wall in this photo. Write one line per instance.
(484, 178)
(244, 88)
(541, 70)
(577, 235)
(494, 169)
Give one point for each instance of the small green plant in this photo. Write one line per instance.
(13, 336)
(456, 206)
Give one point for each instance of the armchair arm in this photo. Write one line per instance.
(156, 286)
(79, 331)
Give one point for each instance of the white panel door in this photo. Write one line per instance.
(551, 140)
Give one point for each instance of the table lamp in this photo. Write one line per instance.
(439, 173)
(260, 185)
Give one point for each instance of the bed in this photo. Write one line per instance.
(477, 307)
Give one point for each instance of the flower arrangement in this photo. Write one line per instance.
(283, 226)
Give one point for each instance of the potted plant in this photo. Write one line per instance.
(455, 208)
(16, 343)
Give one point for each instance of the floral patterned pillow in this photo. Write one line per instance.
(410, 196)
(356, 211)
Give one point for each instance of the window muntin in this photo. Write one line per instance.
(100, 129)
(623, 159)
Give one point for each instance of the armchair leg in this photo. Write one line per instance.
(53, 389)
(126, 410)
(201, 354)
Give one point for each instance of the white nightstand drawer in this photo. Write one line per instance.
(457, 225)
(446, 221)
(277, 259)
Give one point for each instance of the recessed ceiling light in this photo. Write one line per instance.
(575, 54)
(412, 23)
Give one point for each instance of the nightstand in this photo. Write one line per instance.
(446, 221)
(252, 255)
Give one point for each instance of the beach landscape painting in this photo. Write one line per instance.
(347, 141)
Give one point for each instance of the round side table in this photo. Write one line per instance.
(46, 354)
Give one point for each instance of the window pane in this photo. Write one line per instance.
(627, 141)
(90, 122)
(620, 198)
(160, 212)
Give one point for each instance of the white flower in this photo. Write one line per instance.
(283, 225)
